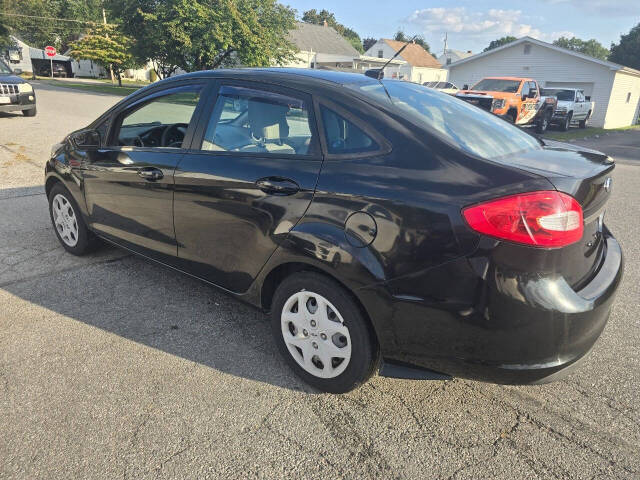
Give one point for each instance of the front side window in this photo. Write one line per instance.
(258, 121)
(160, 122)
(343, 136)
(470, 128)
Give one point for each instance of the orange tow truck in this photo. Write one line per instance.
(515, 99)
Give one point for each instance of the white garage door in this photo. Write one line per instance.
(586, 86)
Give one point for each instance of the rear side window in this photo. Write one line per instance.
(343, 136)
(258, 121)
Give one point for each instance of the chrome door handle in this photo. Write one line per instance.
(150, 173)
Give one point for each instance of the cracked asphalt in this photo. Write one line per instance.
(114, 367)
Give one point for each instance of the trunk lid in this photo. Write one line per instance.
(586, 175)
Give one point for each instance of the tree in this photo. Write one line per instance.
(419, 39)
(499, 42)
(318, 18)
(591, 47)
(368, 42)
(39, 32)
(627, 52)
(207, 34)
(106, 46)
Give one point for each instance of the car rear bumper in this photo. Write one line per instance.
(519, 329)
(20, 101)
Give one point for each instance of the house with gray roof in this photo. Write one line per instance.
(321, 46)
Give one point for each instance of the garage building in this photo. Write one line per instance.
(614, 88)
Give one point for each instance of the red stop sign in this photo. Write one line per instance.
(50, 51)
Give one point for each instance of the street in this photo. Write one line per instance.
(111, 366)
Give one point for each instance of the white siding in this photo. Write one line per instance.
(544, 65)
(621, 112)
(406, 71)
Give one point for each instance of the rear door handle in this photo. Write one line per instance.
(278, 186)
(150, 173)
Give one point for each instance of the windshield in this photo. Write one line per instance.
(3, 68)
(497, 85)
(565, 95)
(471, 128)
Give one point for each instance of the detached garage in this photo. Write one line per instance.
(615, 89)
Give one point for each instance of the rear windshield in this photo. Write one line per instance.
(565, 95)
(497, 85)
(469, 127)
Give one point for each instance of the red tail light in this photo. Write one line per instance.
(542, 219)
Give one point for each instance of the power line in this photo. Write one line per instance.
(36, 17)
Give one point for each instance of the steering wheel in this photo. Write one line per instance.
(168, 131)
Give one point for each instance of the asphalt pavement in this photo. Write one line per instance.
(111, 366)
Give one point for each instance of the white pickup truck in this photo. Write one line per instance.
(573, 107)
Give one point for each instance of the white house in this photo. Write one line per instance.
(450, 56)
(417, 65)
(320, 46)
(614, 88)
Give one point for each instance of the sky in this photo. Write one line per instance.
(471, 25)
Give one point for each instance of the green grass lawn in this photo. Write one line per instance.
(123, 91)
(574, 133)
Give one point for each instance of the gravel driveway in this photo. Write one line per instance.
(114, 367)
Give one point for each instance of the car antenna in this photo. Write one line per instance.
(378, 73)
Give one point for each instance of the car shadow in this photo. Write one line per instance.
(156, 307)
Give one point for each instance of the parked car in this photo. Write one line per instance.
(445, 87)
(59, 70)
(573, 106)
(515, 99)
(377, 221)
(16, 94)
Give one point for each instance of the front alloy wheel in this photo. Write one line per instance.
(68, 223)
(322, 333)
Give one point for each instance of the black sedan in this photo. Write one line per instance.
(384, 225)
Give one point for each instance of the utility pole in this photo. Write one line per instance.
(445, 43)
(104, 20)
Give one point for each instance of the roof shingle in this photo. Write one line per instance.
(414, 54)
(320, 39)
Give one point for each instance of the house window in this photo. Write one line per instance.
(628, 97)
(527, 49)
(380, 53)
(448, 60)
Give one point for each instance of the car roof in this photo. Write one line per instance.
(510, 78)
(293, 74)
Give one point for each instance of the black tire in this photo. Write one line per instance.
(364, 350)
(543, 122)
(30, 113)
(567, 122)
(583, 123)
(512, 116)
(86, 240)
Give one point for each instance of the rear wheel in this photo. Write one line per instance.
(29, 113)
(583, 123)
(322, 333)
(567, 122)
(68, 223)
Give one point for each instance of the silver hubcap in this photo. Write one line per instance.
(64, 219)
(315, 334)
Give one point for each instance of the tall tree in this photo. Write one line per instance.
(590, 47)
(207, 34)
(318, 18)
(106, 46)
(627, 51)
(368, 42)
(39, 32)
(499, 42)
(400, 36)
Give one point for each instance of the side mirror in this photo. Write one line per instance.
(86, 139)
(17, 71)
(465, 86)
